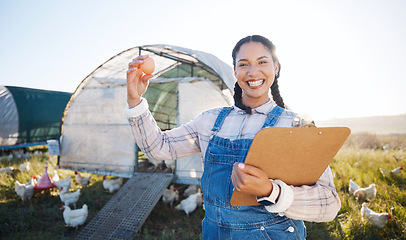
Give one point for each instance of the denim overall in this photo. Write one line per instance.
(224, 221)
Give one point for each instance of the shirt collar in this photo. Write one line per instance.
(263, 109)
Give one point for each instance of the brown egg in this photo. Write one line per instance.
(148, 67)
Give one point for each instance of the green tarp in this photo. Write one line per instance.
(39, 114)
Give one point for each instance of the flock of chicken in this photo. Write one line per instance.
(192, 194)
(72, 217)
(367, 194)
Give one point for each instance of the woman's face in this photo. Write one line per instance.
(255, 73)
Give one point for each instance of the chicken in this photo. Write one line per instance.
(74, 218)
(397, 170)
(83, 181)
(170, 195)
(199, 199)
(7, 157)
(384, 171)
(9, 170)
(352, 187)
(55, 177)
(397, 158)
(69, 198)
(33, 181)
(26, 155)
(366, 193)
(376, 219)
(63, 185)
(112, 184)
(189, 204)
(191, 189)
(24, 167)
(156, 163)
(387, 172)
(18, 154)
(37, 153)
(25, 191)
(170, 164)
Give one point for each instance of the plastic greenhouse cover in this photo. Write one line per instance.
(37, 112)
(96, 136)
(8, 118)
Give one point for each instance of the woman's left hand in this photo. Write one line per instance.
(251, 180)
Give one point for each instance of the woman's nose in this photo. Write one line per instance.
(252, 70)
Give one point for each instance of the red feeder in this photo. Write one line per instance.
(44, 182)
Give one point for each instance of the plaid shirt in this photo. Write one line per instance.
(318, 203)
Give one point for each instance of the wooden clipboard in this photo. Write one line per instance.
(297, 155)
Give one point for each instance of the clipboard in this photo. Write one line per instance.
(295, 155)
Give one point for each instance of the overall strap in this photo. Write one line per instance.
(273, 116)
(220, 118)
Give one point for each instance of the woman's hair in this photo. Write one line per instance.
(274, 88)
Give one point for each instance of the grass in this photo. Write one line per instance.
(41, 217)
(360, 160)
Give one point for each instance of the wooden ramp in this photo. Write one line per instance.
(127, 210)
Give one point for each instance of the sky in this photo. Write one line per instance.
(338, 59)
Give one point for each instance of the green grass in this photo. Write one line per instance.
(360, 160)
(41, 217)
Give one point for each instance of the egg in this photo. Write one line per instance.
(148, 67)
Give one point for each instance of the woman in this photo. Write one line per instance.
(223, 136)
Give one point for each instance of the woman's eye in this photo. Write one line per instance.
(242, 64)
(263, 62)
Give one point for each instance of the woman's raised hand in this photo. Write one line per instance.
(137, 81)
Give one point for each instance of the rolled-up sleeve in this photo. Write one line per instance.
(315, 203)
(161, 145)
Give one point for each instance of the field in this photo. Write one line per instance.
(360, 159)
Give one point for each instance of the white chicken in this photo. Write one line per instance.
(8, 170)
(199, 199)
(352, 187)
(69, 198)
(397, 158)
(376, 219)
(63, 185)
(170, 164)
(397, 170)
(55, 177)
(37, 153)
(189, 204)
(112, 184)
(387, 172)
(24, 167)
(7, 157)
(74, 218)
(25, 191)
(366, 193)
(384, 171)
(33, 181)
(83, 181)
(156, 163)
(170, 195)
(191, 189)
(26, 155)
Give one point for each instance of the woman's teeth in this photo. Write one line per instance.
(255, 83)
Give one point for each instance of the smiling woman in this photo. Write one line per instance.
(256, 68)
(223, 136)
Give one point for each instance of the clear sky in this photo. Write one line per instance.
(339, 58)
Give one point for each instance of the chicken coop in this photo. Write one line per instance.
(95, 134)
(30, 116)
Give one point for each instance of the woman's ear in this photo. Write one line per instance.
(276, 65)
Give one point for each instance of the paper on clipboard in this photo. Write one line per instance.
(297, 155)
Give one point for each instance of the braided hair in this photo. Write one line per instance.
(274, 87)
